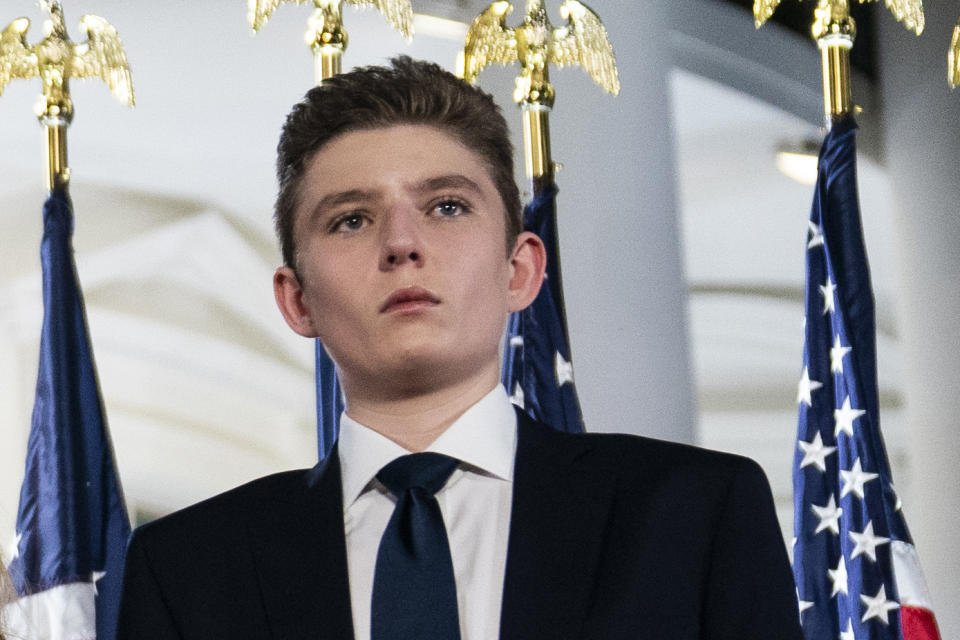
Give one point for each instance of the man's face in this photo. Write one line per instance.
(402, 271)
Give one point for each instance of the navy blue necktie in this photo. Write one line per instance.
(414, 593)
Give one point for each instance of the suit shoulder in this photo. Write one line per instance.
(663, 452)
(635, 455)
(228, 510)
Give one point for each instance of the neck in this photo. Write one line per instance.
(415, 419)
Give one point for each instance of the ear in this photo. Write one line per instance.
(289, 296)
(527, 265)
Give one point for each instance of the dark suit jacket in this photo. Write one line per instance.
(611, 536)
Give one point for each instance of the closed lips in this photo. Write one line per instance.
(409, 295)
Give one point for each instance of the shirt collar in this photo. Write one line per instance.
(484, 437)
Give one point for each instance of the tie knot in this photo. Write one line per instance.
(428, 471)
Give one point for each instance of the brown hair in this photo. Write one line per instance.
(407, 92)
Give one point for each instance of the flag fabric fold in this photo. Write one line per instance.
(857, 573)
(329, 402)
(537, 369)
(72, 525)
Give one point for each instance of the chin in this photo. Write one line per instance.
(419, 371)
(422, 365)
(400, 383)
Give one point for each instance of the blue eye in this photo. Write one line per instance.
(450, 208)
(350, 222)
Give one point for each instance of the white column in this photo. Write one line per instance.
(922, 138)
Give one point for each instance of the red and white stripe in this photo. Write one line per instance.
(916, 611)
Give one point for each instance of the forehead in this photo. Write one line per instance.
(392, 152)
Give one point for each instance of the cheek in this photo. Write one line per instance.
(331, 288)
(330, 264)
(487, 285)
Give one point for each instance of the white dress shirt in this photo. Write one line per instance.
(475, 503)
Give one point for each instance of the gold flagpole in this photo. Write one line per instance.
(953, 59)
(536, 44)
(325, 35)
(56, 60)
(835, 31)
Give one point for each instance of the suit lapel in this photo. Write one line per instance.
(300, 554)
(560, 506)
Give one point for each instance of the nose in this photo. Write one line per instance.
(401, 239)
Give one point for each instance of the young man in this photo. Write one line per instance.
(400, 229)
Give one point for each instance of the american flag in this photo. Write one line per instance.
(72, 525)
(857, 573)
(537, 369)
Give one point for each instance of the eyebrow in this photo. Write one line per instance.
(343, 197)
(452, 181)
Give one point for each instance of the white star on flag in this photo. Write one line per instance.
(866, 542)
(517, 398)
(805, 387)
(816, 235)
(564, 370)
(844, 417)
(829, 515)
(899, 503)
(15, 547)
(855, 478)
(802, 605)
(814, 452)
(878, 606)
(837, 352)
(95, 578)
(826, 290)
(839, 578)
(847, 634)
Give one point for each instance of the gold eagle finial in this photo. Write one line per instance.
(909, 12)
(536, 44)
(398, 13)
(56, 60)
(326, 35)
